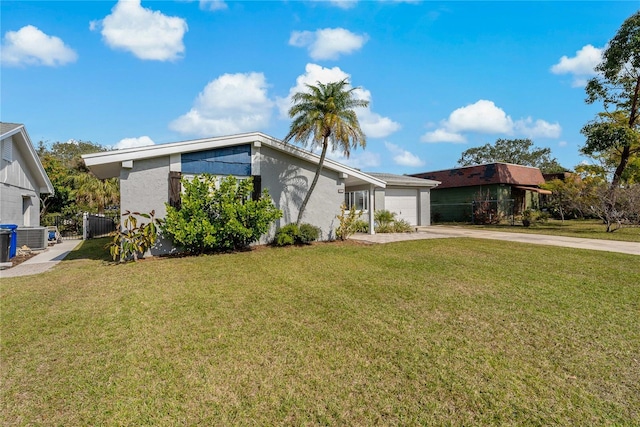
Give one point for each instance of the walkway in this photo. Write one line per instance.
(440, 232)
(43, 261)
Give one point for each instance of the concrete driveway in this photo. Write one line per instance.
(441, 232)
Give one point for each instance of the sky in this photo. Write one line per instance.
(440, 77)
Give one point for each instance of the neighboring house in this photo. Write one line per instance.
(150, 177)
(510, 186)
(23, 180)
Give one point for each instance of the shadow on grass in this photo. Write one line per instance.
(94, 249)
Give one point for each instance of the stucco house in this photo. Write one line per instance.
(512, 186)
(150, 177)
(23, 180)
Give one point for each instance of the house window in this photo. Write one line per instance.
(358, 200)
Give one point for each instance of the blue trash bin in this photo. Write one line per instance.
(14, 238)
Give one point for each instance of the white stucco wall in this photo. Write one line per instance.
(145, 187)
(19, 194)
(288, 179)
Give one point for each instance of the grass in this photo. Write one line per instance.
(591, 229)
(433, 332)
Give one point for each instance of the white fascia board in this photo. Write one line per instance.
(111, 160)
(328, 163)
(33, 159)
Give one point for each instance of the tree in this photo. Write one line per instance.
(516, 151)
(617, 85)
(75, 187)
(325, 116)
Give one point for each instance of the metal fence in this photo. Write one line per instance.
(83, 225)
(474, 212)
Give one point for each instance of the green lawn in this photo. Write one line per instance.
(591, 229)
(432, 332)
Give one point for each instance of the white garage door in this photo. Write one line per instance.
(404, 202)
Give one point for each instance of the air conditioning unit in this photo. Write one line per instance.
(33, 237)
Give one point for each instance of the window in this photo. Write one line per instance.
(358, 200)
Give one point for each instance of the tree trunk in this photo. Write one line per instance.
(325, 145)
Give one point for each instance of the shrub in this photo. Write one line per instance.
(384, 220)
(308, 233)
(402, 226)
(287, 235)
(214, 219)
(132, 240)
(349, 222)
(361, 226)
(292, 234)
(531, 217)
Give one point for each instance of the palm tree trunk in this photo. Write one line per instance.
(325, 145)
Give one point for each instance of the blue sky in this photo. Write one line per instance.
(441, 77)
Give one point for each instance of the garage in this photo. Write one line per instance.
(404, 202)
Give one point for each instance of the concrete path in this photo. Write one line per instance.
(439, 232)
(43, 261)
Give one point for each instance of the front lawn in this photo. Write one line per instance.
(591, 229)
(432, 332)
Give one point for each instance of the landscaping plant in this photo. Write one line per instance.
(215, 218)
(133, 239)
(349, 222)
(292, 234)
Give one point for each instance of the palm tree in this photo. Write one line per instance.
(324, 116)
(95, 193)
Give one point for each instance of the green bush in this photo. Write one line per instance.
(292, 234)
(214, 219)
(308, 233)
(287, 235)
(402, 226)
(384, 220)
(361, 226)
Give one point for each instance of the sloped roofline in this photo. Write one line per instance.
(475, 166)
(106, 164)
(32, 156)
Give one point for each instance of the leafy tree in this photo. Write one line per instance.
(516, 151)
(76, 189)
(609, 141)
(325, 116)
(617, 85)
(214, 219)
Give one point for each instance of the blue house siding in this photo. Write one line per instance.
(234, 160)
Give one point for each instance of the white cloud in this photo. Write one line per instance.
(30, 46)
(213, 5)
(487, 118)
(562, 144)
(442, 135)
(581, 66)
(146, 33)
(373, 124)
(481, 117)
(537, 129)
(142, 141)
(232, 103)
(328, 43)
(403, 157)
(342, 4)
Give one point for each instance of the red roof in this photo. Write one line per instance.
(492, 173)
